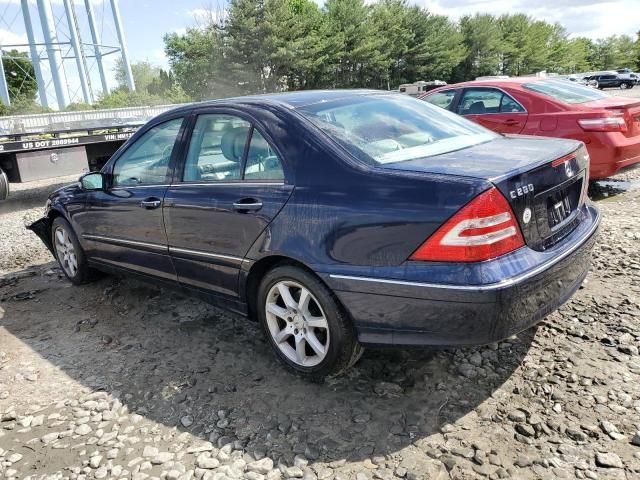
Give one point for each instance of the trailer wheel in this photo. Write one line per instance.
(4, 186)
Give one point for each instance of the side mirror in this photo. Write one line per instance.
(92, 181)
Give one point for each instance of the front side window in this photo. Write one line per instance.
(388, 128)
(481, 101)
(146, 161)
(262, 161)
(564, 91)
(216, 148)
(442, 99)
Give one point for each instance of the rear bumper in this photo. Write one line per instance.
(611, 152)
(410, 312)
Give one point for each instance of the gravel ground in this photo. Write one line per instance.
(18, 246)
(118, 379)
(633, 92)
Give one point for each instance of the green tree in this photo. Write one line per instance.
(197, 60)
(21, 78)
(245, 40)
(437, 47)
(636, 51)
(143, 74)
(484, 46)
(355, 45)
(577, 58)
(391, 23)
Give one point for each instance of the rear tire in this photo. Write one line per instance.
(69, 253)
(4, 186)
(305, 324)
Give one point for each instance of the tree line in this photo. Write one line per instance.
(273, 45)
(257, 46)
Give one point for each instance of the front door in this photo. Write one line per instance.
(493, 109)
(123, 225)
(231, 186)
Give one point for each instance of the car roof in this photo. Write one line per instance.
(493, 82)
(289, 100)
(501, 81)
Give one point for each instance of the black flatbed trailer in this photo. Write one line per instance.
(35, 147)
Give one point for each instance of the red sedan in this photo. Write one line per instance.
(609, 126)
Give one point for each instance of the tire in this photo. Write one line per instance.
(311, 333)
(69, 253)
(624, 86)
(4, 186)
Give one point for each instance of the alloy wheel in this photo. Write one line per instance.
(66, 252)
(297, 324)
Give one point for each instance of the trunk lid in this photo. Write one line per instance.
(543, 179)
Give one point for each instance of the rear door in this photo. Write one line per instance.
(231, 184)
(492, 108)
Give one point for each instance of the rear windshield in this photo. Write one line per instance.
(389, 128)
(567, 92)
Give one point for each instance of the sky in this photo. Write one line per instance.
(146, 21)
(590, 18)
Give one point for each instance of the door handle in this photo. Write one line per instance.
(511, 122)
(150, 203)
(247, 205)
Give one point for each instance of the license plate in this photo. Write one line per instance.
(559, 208)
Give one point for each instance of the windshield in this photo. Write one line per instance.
(382, 129)
(565, 91)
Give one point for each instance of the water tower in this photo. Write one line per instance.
(69, 45)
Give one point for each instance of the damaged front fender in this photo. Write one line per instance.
(42, 228)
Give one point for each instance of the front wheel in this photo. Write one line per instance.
(624, 86)
(305, 324)
(69, 253)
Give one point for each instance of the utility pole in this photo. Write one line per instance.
(53, 51)
(35, 56)
(95, 37)
(123, 45)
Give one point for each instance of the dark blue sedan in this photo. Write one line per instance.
(338, 219)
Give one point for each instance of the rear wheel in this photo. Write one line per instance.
(4, 186)
(305, 324)
(69, 253)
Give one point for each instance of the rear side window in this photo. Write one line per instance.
(442, 99)
(216, 148)
(564, 91)
(481, 101)
(263, 162)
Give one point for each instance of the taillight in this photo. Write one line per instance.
(583, 158)
(484, 228)
(615, 122)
